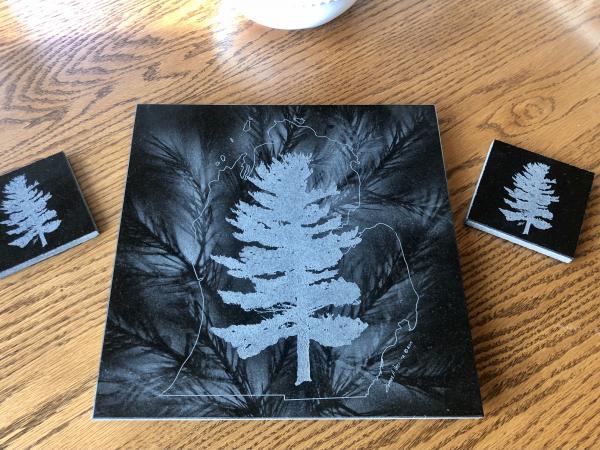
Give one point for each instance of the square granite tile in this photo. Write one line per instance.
(42, 213)
(531, 200)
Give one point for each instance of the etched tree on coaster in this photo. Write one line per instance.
(530, 197)
(293, 246)
(26, 208)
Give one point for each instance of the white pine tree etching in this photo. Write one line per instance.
(25, 206)
(291, 256)
(530, 197)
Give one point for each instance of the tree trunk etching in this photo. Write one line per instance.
(303, 351)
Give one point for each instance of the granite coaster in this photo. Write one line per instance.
(531, 200)
(42, 213)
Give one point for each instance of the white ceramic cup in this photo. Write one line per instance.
(293, 14)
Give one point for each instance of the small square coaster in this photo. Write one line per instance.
(531, 200)
(42, 213)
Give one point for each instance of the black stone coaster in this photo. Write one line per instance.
(42, 213)
(531, 200)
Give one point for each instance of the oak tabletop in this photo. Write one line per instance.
(528, 73)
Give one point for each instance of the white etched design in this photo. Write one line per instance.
(26, 208)
(245, 170)
(290, 257)
(530, 197)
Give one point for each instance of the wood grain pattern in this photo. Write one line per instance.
(527, 72)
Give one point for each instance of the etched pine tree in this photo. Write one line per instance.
(531, 195)
(26, 208)
(293, 247)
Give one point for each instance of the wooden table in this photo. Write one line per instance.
(527, 72)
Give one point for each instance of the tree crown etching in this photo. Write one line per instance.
(293, 246)
(530, 197)
(26, 208)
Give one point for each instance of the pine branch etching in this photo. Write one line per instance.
(26, 208)
(530, 197)
(290, 256)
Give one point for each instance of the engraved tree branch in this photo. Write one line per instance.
(26, 207)
(290, 259)
(530, 197)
